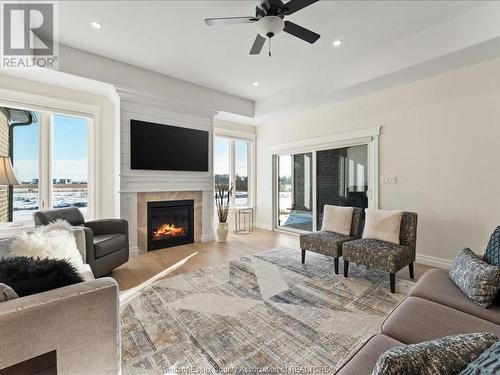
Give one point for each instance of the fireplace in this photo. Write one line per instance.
(170, 223)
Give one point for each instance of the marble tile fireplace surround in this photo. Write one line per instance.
(142, 213)
(135, 210)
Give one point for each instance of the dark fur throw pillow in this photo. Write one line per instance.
(33, 275)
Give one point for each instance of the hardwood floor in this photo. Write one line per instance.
(186, 258)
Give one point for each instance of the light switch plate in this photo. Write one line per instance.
(390, 180)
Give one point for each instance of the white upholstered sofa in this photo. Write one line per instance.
(80, 322)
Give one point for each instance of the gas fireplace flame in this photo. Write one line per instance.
(168, 231)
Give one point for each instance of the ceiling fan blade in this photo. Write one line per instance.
(257, 45)
(296, 5)
(300, 32)
(229, 20)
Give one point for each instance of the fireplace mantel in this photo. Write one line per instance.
(136, 183)
(165, 181)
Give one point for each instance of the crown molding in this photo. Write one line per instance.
(134, 96)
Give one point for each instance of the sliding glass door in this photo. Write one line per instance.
(309, 180)
(341, 178)
(295, 203)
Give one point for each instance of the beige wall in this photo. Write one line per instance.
(108, 187)
(440, 137)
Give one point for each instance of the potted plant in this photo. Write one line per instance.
(222, 197)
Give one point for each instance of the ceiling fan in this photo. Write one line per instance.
(269, 18)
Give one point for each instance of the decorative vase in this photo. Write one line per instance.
(222, 232)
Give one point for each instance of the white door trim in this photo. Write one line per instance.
(368, 137)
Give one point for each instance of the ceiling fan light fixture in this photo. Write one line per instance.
(270, 26)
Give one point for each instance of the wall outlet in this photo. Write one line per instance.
(390, 180)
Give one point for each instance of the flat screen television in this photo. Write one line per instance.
(167, 148)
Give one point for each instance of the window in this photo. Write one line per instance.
(232, 167)
(25, 161)
(241, 173)
(307, 181)
(69, 162)
(221, 161)
(50, 154)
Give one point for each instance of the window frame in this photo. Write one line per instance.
(232, 137)
(48, 107)
(368, 137)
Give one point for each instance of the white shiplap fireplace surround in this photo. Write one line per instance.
(143, 107)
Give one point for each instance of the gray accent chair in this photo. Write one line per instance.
(107, 243)
(330, 243)
(385, 256)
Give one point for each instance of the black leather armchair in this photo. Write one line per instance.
(107, 245)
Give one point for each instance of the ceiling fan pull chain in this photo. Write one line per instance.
(270, 47)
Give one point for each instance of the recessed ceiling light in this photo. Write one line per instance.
(96, 25)
(337, 43)
(256, 84)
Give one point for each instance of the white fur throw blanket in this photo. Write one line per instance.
(55, 240)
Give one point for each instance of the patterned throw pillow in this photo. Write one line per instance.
(488, 363)
(476, 278)
(446, 355)
(492, 253)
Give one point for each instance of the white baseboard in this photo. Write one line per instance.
(207, 237)
(429, 260)
(133, 251)
(263, 225)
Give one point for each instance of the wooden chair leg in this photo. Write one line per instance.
(336, 259)
(392, 279)
(303, 256)
(346, 268)
(410, 267)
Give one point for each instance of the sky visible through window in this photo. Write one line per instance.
(221, 157)
(241, 158)
(70, 153)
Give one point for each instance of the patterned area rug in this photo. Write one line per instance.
(266, 312)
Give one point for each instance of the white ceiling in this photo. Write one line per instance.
(170, 37)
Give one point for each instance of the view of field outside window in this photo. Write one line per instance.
(223, 165)
(69, 165)
(241, 173)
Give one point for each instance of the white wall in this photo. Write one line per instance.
(108, 188)
(125, 76)
(229, 126)
(440, 137)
